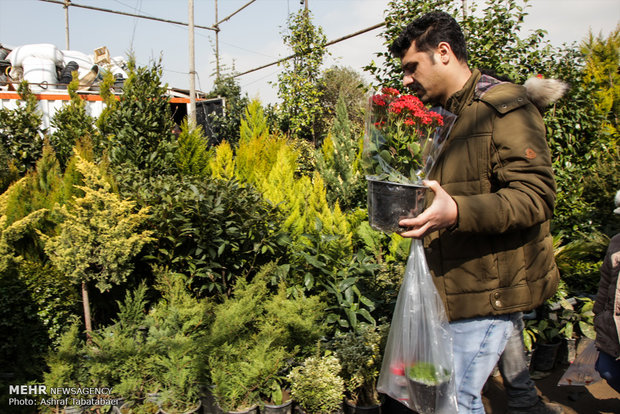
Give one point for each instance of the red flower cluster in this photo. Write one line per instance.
(390, 105)
(411, 105)
(404, 127)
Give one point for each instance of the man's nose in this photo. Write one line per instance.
(408, 80)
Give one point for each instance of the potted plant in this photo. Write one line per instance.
(402, 140)
(67, 365)
(576, 320)
(241, 370)
(359, 353)
(428, 386)
(544, 339)
(253, 337)
(317, 386)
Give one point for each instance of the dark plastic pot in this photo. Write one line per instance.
(192, 410)
(389, 202)
(286, 408)
(350, 408)
(427, 398)
(251, 410)
(299, 410)
(544, 356)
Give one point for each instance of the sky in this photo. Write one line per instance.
(253, 36)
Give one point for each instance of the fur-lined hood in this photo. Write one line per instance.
(544, 92)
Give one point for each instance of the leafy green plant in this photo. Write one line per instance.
(316, 384)
(212, 231)
(359, 353)
(139, 129)
(299, 81)
(427, 373)
(320, 266)
(541, 331)
(578, 319)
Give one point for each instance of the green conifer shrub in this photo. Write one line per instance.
(98, 237)
(71, 123)
(192, 154)
(338, 162)
(21, 135)
(253, 336)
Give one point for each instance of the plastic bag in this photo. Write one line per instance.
(582, 371)
(418, 366)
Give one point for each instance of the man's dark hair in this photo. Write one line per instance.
(428, 31)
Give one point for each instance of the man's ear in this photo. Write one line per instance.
(445, 52)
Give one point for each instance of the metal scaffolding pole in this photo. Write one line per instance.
(192, 66)
(125, 14)
(67, 3)
(217, 45)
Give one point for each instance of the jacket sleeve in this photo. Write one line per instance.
(607, 276)
(522, 184)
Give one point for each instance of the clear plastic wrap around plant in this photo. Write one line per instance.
(403, 138)
(418, 365)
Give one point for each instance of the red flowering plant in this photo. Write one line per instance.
(401, 137)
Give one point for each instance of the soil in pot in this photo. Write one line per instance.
(388, 203)
(544, 356)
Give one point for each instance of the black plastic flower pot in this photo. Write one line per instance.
(286, 408)
(427, 398)
(545, 356)
(350, 408)
(390, 202)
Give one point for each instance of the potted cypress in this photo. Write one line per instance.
(402, 140)
(254, 335)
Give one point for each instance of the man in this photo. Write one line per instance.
(486, 230)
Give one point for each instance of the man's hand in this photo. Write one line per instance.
(442, 213)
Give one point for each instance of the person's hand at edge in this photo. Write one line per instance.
(442, 213)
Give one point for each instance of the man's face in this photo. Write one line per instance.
(422, 75)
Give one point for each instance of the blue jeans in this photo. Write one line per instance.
(520, 388)
(609, 368)
(478, 344)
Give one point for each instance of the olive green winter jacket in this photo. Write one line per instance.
(496, 165)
